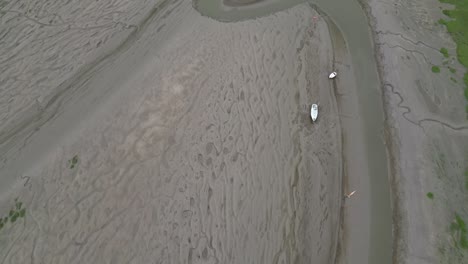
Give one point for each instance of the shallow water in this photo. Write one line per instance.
(216, 10)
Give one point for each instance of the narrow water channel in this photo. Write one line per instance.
(352, 22)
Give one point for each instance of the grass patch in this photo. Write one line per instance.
(442, 22)
(73, 161)
(435, 69)
(465, 79)
(444, 52)
(15, 213)
(458, 229)
(452, 70)
(458, 29)
(453, 80)
(430, 195)
(446, 12)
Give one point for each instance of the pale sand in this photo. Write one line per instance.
(427, 129)
(194, 144)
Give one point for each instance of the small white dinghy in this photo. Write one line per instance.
(350, 194)
(314, 112)
(332, 75)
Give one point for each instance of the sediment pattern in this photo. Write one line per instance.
(46, 45)
(205, 154)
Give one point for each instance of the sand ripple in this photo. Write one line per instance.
(205, 153)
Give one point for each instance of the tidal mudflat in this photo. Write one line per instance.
(186, 141)
(423, 84)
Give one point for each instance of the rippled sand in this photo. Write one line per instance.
(194, 145)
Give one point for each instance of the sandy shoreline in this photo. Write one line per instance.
(195, 145)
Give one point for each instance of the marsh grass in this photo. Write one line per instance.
(457, 27)
(430, 195)
(15, 213)
(73, 162)
(459, 231)
(444, 52)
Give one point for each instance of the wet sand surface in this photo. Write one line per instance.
(46, 47)
(194, 145)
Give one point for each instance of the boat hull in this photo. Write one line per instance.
(314, 112)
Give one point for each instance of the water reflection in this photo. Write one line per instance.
(238, 10)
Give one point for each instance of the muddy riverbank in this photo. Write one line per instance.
(191, 144)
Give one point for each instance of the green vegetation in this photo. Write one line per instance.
(465, 79)
(457, 26)
(430, 195)
(446, 12)
(15, 213)
(454, 80)
(452, 70)
(458, 229)
(73, 161)
(444, 52)
(435, 69)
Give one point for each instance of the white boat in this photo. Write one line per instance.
(314, 112)
(332, 75)
(350, 194)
